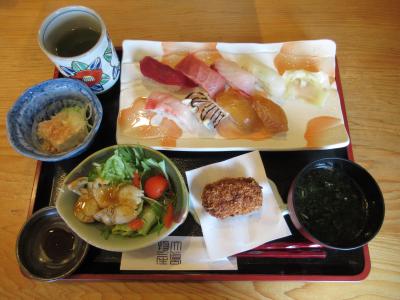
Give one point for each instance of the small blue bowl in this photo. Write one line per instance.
(43, 101)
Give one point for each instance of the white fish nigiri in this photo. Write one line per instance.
(236, 76)
(313, 87)
(173, 108)
(269, 80)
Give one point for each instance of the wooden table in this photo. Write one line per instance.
(368, 50)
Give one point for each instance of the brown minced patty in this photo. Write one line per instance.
(232, 196)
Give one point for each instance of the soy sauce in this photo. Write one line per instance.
(76, 42)
(331, 206)
(58, 244)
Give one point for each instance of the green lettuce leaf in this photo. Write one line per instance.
(119, 167)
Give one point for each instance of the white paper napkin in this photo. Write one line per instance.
(175, 253)
(233, 235)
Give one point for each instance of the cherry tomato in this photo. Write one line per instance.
(169, 216)
(136, 179)
(155, 186)
(136, 224)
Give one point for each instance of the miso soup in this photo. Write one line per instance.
(331, 206)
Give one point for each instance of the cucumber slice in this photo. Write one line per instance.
(149, 218)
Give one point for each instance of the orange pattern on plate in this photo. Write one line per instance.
(175, 52)
(321, 130)
(303, 56)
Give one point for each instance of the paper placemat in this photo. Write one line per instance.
(175, 253)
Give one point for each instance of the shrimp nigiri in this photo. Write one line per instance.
(162, 73)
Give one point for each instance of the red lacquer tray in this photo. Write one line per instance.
(281, 167)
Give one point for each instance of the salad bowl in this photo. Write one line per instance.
(93, 233)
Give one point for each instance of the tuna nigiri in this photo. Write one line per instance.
(236, 76)
(202, 74)
(162, 73)
(170, 107)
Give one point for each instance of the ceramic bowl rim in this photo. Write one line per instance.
(294, 215)
(25, 270)
(93, 100)
(185, 196)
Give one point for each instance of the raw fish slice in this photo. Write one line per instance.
(268, 79)
(202, 74)
(170, 107)
(236, 76)
(162, 73)
(240, 110)
(271, 114)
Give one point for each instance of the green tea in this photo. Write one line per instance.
(76, 42)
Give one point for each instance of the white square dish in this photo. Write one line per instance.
(309, 126)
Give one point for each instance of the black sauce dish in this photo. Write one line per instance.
(47, 249)
(336, 203)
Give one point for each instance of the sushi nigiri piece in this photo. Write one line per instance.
(312, 87)
(271, 114)
(236, 76)
(168, 106)
(268, 79)
(203, 75)
(164, 74)
(205, 108)
(240, 110)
